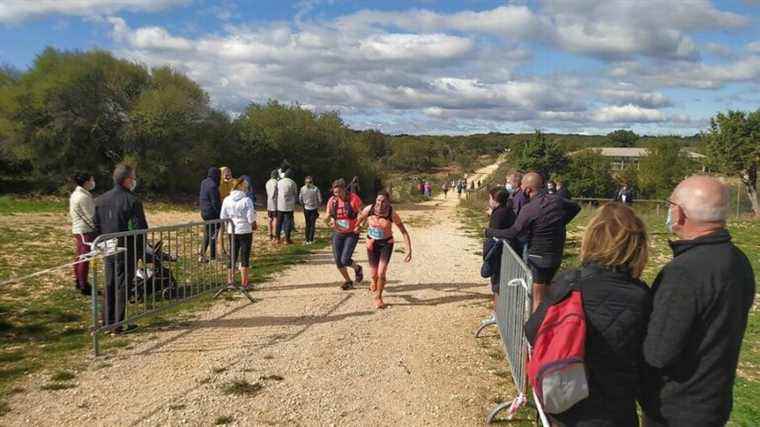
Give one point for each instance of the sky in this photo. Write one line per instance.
(431, 66)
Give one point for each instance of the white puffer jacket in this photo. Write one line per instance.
(240, 210)
(81, 211)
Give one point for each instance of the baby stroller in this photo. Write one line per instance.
(152, 276)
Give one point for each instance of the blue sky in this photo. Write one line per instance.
(429, 66)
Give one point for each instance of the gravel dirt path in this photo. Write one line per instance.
(311, 353)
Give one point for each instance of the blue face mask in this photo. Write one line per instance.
(510, 188)
(669, 221)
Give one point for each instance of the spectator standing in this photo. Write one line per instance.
(116, 211)
(428, 189)
(517, 195)
(617, 306)
(239, 208)
(624, 195)
(82, 216)
(210, 205)
(501, 218)
(445, 189)
(343, 209)
(271, 188)
(543, 221)
(287, 194)
(311, 199)
(251, 192)
(701, 303)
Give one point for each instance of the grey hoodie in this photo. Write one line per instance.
(310, 197)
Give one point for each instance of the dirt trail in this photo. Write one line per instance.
(323, 356)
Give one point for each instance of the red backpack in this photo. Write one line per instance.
(556, 369)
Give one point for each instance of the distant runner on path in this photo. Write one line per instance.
(380, 218)
(342, 210)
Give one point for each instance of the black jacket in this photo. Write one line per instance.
(119, 210)
(562, 192)
(701, 302)
(617, 309)
(208, 199)
(542, 221)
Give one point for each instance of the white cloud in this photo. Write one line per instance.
(719, 50)
(627, 114)
(419, 70)
(15, 11)
(753, 47)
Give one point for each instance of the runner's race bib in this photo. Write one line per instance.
(376, 233)
(343, 224)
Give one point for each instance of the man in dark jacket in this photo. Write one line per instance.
(116, 211)
(562, 190)
(541, 222)
(211, 205)
(701, 302)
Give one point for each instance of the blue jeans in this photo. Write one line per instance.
(344, 245)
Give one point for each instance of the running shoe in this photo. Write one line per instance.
(359, 274)
(348, 285)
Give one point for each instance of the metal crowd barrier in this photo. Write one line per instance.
(147, 271)
(511, 311)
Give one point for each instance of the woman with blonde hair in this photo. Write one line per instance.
(617, 305)
(238, 208)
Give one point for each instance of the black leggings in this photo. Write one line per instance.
(210, 232)
(381, 251)
(242, 249)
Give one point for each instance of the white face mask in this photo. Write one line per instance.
(669, 221)
(134, 185)
(91, 185)
(510, 187)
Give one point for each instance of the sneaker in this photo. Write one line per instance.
(348, 285)
(359, 274)
(202, 259)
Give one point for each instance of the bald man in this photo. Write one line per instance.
(701, 302)
(542, 224)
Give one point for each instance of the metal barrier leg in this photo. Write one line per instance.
(512, 407)
(486, 323)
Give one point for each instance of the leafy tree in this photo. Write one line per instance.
(664, 166)
(589, 175)
(733, 147)
(539, 154)
(68, 112)
(413, 154)
(622, 138)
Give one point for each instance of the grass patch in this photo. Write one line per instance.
(221, 421)
(4, 408)
(242, 388)
(43, 321)
(218, 370)
(57, 386)
(271, 378)
(62, 376)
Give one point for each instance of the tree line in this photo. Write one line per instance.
(86, 111)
